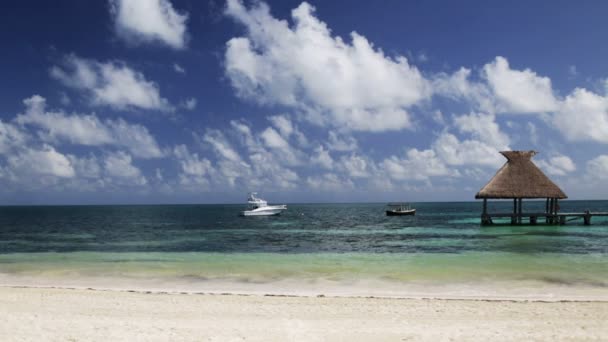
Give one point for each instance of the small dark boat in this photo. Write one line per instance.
(400, 209)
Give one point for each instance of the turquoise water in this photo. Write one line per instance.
(442, 243)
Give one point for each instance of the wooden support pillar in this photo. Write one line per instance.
(587, 218)
(514, 216)
(547, 211)
(551, 205)
(562, 220)
(485, 218)
(519, 212)
(533, 220)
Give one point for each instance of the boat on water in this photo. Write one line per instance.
(259, 207)
(400, 209)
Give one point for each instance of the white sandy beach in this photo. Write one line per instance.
(52, 314)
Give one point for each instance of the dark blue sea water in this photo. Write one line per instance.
(303, 228)
(327, 240)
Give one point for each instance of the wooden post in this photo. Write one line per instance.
(547, 210)
(551, 205)
(484, 215)
(562, 220)
(514, 217)
(533, 220)
(587, 218)
(519, 213)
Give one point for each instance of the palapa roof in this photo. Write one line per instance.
(520, 178)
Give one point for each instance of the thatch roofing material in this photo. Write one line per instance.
(520, 178)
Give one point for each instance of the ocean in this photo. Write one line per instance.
(311, 243)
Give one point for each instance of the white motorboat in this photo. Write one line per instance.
(259, 207)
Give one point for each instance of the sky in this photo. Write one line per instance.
(184, 101)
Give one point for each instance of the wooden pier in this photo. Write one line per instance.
(548, 218)
(519, 178)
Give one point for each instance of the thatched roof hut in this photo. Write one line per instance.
(520, 178)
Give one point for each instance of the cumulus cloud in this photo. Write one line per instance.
(11, 136)
(138, 21)
(582, 116)
(45, 161)
(343, 143)
(484, 128)
(320, 156)
(111, 84)
(459, 86)
(519, 91)
(330, 182)
(597, 168)
(457, 152)
(88, 130)
(416, 165)
(119, 166)
(290, 65)
(355, 166)
(195, 170)
(558, 165)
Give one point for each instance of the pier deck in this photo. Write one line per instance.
(559, 218)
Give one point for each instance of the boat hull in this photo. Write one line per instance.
(410, 212)
(266, 211)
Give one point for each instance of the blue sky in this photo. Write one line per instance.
(167, 101)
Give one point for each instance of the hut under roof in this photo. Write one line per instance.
(519, 178)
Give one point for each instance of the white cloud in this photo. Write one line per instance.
(329, 182)
(273, 139)
(86, 167)
(178, 68)
(417, 165)
(111, 84)
(453, 151)
(189, 104)
(281, 147)
(221, 146)
(11, 136)
(149, 21)
(194, 169)
(320, 156)
(291, 66)
(45, 161)
(484, 128)
(120, 167)
(283, 124)
(559, 165)
(583, 115)
(597, 168)
(342, 143)
(268, 171)
(88, 129)
(519, 91)
(459, 86)
(287, 129)
(355, 166)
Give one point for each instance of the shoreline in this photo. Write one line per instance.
(481, 291)
(288, 295)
